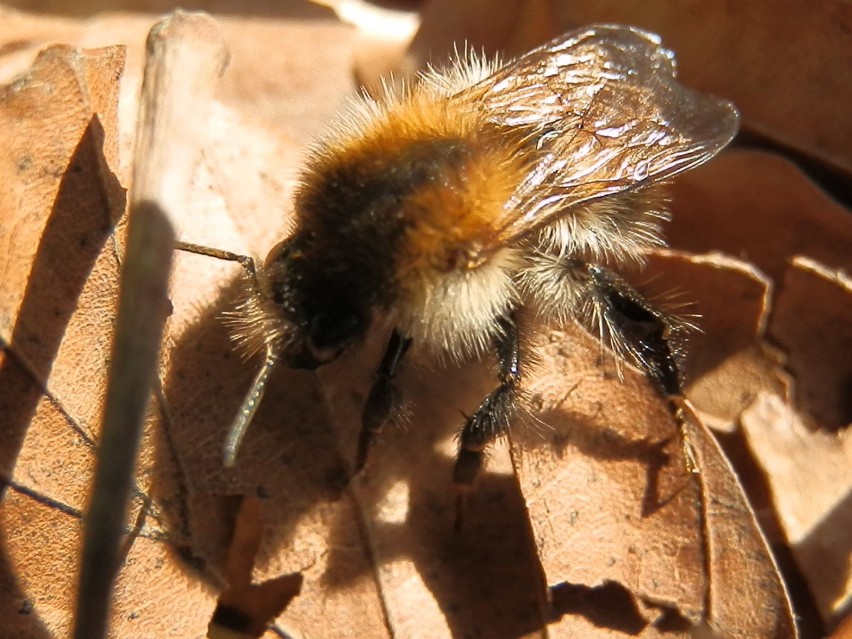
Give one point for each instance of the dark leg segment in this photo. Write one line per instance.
(649, 335)
(493, 417)
(383, 398)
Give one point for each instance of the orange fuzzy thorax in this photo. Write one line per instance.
(448, 217)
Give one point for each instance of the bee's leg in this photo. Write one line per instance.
(383, 399)
(493, 417)
(648, 335)
(652, 337)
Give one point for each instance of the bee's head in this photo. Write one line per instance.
(304, 310)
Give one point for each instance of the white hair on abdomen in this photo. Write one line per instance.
(456, 314)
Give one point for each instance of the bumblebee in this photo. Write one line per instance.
(448, 205)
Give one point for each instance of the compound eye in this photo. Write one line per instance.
(326, 337)
(277, 252)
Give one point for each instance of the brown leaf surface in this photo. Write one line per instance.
(60, 297)
(811, 323)
(620, 478)
(58, 201)
(589, 524)
(729, 363)
(762, 208)
(813, 506)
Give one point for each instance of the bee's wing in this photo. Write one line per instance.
(605, 114)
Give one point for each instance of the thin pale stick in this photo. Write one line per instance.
(186, 56)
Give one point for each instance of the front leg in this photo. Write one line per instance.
(383, 399)
(494, 415)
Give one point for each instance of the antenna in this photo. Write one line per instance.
(248, 409)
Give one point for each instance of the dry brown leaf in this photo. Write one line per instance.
(60, 198)
(728, 361)
(616, 511)
(738, 557)
(761, 208)
(812, 324)
(435, 582)
(844, 630)
(610, 500)
(47, 257)
(379, 558)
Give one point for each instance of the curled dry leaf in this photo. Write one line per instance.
(728, 362)
(58, 296)
(245, 608)
(616, 511)
(818, 340)
(761, 207)
(813, 506)
(764, 209)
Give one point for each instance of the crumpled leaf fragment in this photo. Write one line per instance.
(245, 608)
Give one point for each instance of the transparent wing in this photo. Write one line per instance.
(605, 114)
